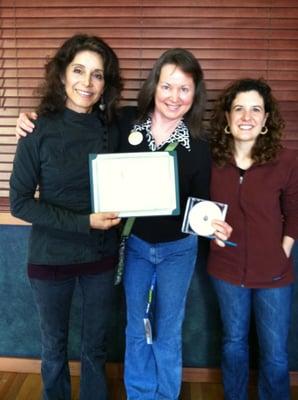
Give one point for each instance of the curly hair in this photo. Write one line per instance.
(52, 90)
(186, 61)
(266, 146)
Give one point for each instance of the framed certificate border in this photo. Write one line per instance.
(135, 184)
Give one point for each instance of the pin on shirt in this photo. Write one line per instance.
(135, 138)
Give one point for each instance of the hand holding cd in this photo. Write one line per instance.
(201, 215)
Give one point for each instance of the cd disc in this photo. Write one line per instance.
(201, 216)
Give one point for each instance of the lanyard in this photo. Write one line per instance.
(150, 294)
(147, 319)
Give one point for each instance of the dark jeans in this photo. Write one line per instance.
(272, 309)
(53, 299)
(154, 371)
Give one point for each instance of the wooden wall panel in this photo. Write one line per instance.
(232, 39)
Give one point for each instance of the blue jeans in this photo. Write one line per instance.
(53, 299)
(272, 309)
(154, 371)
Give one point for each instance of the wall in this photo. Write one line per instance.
(231, 39)
(19, 333)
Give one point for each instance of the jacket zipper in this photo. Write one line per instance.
(241, 178)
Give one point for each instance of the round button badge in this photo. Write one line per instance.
(135, 138)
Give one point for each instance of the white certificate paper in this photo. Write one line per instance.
(135, 184)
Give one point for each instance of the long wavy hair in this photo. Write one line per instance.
(52, 89)
(266, 146)
(186, 61)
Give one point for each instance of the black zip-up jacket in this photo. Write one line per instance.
(55, 159)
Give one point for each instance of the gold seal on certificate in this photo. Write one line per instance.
(135, 138)
(200, 213)
(201, 216)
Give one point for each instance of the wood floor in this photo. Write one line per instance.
(23, 386)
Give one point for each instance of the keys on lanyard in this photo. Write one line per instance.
(148, 316)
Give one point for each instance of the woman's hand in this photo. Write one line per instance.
(104, 221)
(25, 124)
(222, 231)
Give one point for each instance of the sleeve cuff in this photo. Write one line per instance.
(84, 224)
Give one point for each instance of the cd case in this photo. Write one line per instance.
(199, 214)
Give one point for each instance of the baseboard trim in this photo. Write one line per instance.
(115, 370)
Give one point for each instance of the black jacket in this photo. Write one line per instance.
(55, 159)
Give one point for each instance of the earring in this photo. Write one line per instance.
(102, 105)
(264, 130)
(227, 130)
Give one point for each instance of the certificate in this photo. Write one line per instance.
(135, 184)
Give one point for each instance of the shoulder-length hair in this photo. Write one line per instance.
(52, 89)
(266, 146)
(186, 61)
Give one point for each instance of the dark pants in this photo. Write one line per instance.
(53, 299)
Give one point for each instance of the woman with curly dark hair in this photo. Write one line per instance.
(267, 145)
(258, 179)
(69, 244)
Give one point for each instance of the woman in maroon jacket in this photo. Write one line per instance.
(258, 179)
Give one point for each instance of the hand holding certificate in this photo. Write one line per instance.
(135, 184)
